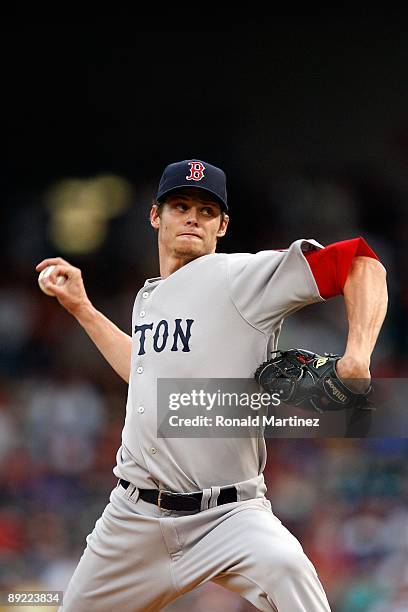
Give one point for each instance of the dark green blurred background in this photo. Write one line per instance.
(308, 117)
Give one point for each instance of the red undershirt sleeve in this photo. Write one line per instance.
(330, 266)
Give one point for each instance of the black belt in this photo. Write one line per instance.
(181, 501)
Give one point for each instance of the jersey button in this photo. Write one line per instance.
(145, 294)
(139, 370)
(153, 450)
(140, 409)
(142, 314)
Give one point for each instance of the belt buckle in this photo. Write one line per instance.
(164, 492)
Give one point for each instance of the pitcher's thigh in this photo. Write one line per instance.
(125, 567)
(268, 566)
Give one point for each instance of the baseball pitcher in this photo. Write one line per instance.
(186, 511)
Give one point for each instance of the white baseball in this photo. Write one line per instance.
(61, 278)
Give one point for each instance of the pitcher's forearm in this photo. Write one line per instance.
(111, 341)
(366, 298)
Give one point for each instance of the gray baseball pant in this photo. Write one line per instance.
(140, 558)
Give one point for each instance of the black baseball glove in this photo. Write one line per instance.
(310, 381)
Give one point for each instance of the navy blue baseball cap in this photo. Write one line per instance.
(194, 173)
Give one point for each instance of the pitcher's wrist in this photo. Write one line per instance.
(84, 312)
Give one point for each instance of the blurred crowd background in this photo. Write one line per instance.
(309, 121)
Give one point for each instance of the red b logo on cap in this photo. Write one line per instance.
(196, 171)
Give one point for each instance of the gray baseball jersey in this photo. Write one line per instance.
(216, 317)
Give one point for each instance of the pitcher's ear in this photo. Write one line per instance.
(223, 226)
(154, 216)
